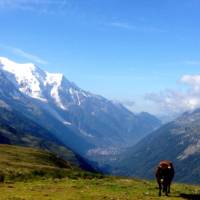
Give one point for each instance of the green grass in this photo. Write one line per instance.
(37, 175)
(89, 189)
(22, 163)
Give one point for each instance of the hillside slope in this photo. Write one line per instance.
(34, 174)
(22, 163)
(17, 129)
(178, 141)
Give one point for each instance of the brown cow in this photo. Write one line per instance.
(1, 178)
(164, 176)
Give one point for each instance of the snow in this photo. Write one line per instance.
(67, 123)
(71, 91)
(3, 104)
(25, 77)
(86, 133)
(55, 80)
(190, 150)
(41, 85)
(31, 80)
(75, 95)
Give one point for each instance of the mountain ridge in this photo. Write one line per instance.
(177, 141)
(83, 121)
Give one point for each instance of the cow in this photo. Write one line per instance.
(1, 178)
(164, 175)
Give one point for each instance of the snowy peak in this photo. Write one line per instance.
(16, 68)
(53, 78)
(31, 80)
(26, 77)
(53, 81)
(41, 85)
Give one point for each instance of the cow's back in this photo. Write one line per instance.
(164, 164)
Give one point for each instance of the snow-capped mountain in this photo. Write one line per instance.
(41, 85)
(81, 120)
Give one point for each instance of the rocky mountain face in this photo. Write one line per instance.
(87, 123)
(178, 141)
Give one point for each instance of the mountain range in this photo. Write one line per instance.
(178, 141)
(88, 124)
(45, 110)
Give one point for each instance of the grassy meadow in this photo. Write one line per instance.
(37, 175)
(109, 188)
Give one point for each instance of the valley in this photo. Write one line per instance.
(177, 141)
(48, 112)
(99, 100)
(32, 174)
(88, 124)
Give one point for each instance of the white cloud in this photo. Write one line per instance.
(124, 25)
(171, 101)
(42, 6)
(192, 62)
(29, 56)
(23, 54)
(128, 103)
(193, 81)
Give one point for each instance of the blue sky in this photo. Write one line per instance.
(133, 51)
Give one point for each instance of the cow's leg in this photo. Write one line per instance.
(160, 188)
(165, 190)
(160, 191)
(168, 190)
